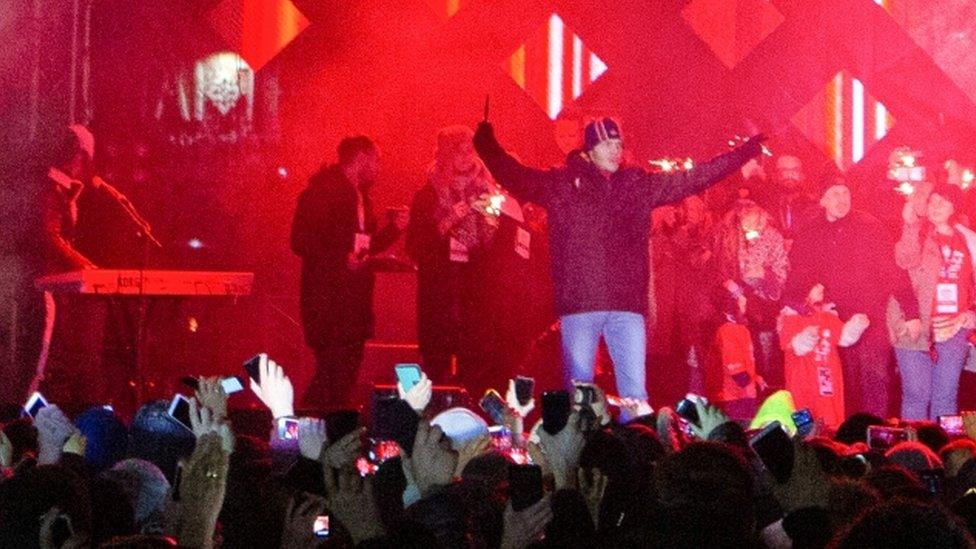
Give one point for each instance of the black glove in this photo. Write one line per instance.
(484, 136)
(754, 144)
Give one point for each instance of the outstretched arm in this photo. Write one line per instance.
(524, 183)
(669, 188)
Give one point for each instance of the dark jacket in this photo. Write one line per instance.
(598, 227)
(336, 303)
(854, 259)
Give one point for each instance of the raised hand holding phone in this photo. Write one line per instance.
(53, 430)
(414, 386)
(272, 386)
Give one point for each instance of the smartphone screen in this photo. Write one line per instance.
(231, 385)
(952, 424)
(555, 411)
(179, 409)
(524, 386)
(287, 428)
(254, 365)
(321, 526)
(775, 450)
(34, 404)
(803, 420)
(524, 485)
(882, 438)
(494, 406)
(407, 375)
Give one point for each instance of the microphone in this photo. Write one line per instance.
(144, 226)
(99, 183)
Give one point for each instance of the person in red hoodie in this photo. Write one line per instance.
(811, 344)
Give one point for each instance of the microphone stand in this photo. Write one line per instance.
(145, 234)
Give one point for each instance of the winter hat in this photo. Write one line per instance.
(600, 130)
(107, 437)
(914, 456)
(833, 181)
(460, 425)
(144, 482)
(777, 407)
(952, 193)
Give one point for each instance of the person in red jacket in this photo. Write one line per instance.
(811, 344)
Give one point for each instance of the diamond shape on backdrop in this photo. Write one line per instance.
(257, 29)
(446, 9)
(946, 30)
(554, 66)
(732, 28)
(844, 120)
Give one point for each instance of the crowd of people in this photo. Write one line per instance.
(451, 480)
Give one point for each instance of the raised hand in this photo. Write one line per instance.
(350, 498)
(512, 400)
(418, 397)
(299, 516)
(710, 417)
(202, 491)
(311, 437)
(343, 453)
(203, 421)
(522, 528)
(53, 430)
(562, 451)
(433, 462)
(275, 390)
(6, 452)
(210, 393)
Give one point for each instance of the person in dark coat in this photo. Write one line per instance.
(448, 237)
(335, 232)
(599, 225)
(852, 255)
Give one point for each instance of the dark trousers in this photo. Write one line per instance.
(336, 372)
(867, 374)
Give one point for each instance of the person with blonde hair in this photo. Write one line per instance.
(450, 229)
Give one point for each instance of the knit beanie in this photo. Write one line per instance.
(914, 456)
(107, 437)
(144, 482)
(600, 130)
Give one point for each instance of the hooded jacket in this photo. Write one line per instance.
(599, 227)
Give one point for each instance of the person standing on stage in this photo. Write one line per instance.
(335, 233)
(599, 224)
(448, 234)
(67, 175)
(851, 254)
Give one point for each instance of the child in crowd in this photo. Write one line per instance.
(734, 384)
(810, 345)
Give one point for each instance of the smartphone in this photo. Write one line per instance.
(494, 406)
(230, 384)
(524, 485)
(287, 428)
(556, 408)
(179, 409)
(254, 365)
(775, 450)
(584, 396)
(803, 420)
(408, 375)
(321, 526)
(686, 408)
(524, 386)
(34, 404)
(952, 424)
(340, 423)
(882, 438)
(395, 420)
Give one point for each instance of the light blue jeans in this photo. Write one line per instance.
(626, 341)
(929, 389)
